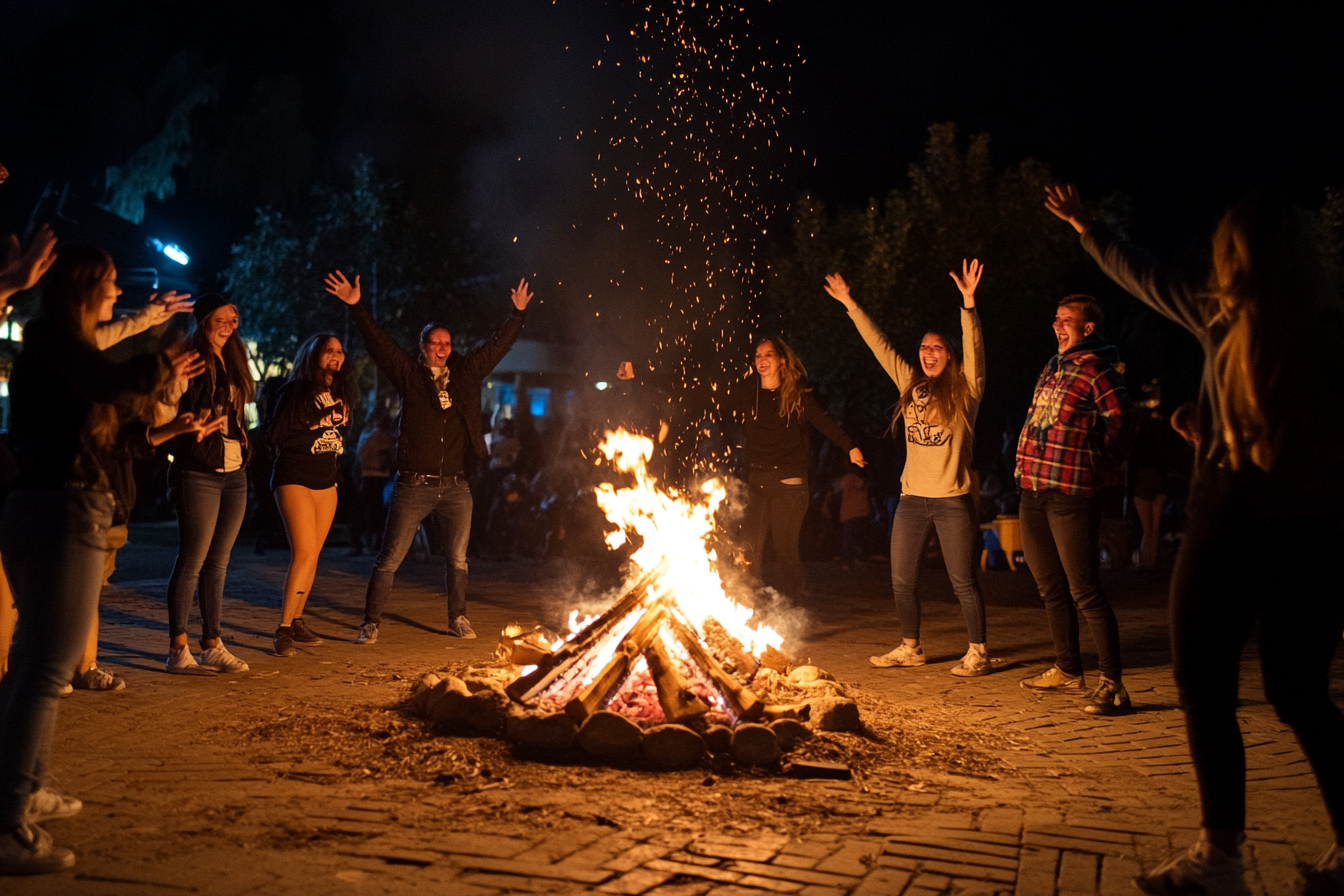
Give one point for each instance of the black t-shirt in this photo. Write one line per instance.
(307, 435)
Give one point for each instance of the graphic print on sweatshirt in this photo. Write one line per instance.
(330, 442)
(921, 431)
(1049, 404)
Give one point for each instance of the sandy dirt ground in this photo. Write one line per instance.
(311, 775)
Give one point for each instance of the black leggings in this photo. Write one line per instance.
(1241, 563)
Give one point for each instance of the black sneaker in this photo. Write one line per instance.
(301, 633)
(1109, 698)
(284, 641)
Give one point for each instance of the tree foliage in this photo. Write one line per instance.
(409, 273)
(896, 254)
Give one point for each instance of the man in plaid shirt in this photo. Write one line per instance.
(1076, 417)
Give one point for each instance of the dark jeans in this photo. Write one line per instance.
(1061, 541)
(450, 502)
(777, 509)
(54, 545)
(1239, 564)
(954, 520)
(210, 509)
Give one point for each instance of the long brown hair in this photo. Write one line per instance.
(948, 392)
(1270, 293)
(70, 299)
(69, 294)
(792, 377)
(236, 366)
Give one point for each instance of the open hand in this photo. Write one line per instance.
(1064, 203)
(22, 269)
(969, 280)
(162, 306)
(838, 289)
(342, 288)
(187, 364)
(520, 295)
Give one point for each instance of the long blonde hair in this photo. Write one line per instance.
(948, 392)
(1270, 294)
(792, 377)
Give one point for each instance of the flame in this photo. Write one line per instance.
(674, 529)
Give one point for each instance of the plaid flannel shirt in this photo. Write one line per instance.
(1077, 414)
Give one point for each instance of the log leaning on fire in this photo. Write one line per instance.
(679, 704)
(551, 667)
(746, 706)
(592, 696)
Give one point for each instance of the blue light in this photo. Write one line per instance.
(172, 250)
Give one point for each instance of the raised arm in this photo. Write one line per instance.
(484, 359)
(1136, 271)
(159, 309)
(972, 338)
(901, 373)
(385, 352)
(22, 268)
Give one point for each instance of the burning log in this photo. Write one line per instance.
(678, 703)
(524, 648)
(553, 666)
(590, 699)
(736, 660)
(745, 705)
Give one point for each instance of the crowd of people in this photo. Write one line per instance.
(1266, 445)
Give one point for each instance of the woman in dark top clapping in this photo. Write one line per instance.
(65, 433)
(311, 411)
(779, 413)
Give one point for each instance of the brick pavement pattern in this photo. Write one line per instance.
(174, 805)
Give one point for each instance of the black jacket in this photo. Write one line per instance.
(423, 424)
(57, 380)
(208, 391)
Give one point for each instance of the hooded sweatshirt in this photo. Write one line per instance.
(1076, 418)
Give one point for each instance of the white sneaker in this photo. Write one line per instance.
(904, 655)
(1326, 877)
(368, 633)
(219, 659)
(181, 662)
(48, 805)
(974, 663)
(1202, 869)
(27, 849)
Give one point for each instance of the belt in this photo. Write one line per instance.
(409, 478)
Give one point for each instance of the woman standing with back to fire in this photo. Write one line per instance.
(937, 410)
(778, 415)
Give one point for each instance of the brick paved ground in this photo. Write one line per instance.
(177, 799)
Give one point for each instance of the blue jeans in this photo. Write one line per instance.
(1061, 538)
(210, 509)
(54, 545)
(954, 520)
(777, 509)
(450, 501)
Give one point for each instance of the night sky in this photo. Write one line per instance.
(474, 105)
